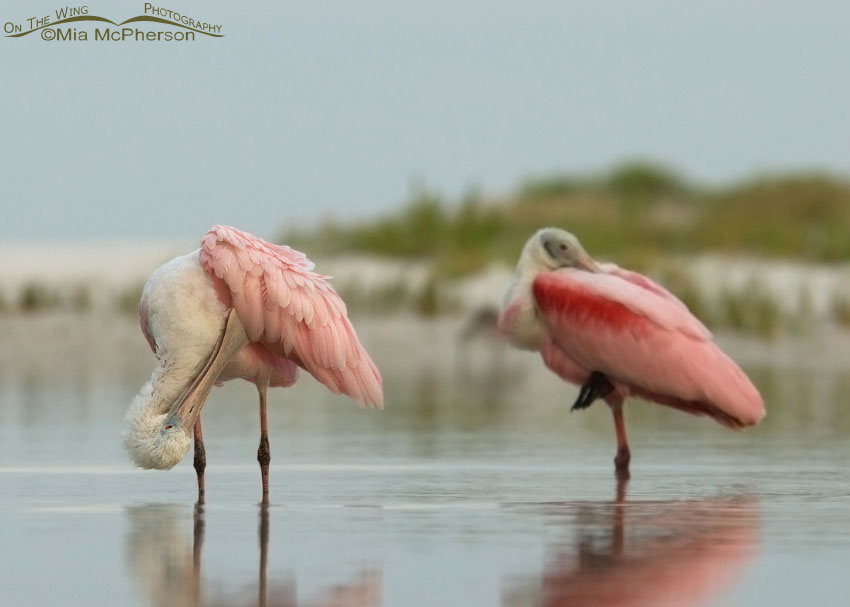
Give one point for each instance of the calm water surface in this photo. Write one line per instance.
(474, 487)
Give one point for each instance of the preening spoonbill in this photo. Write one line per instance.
(617, 333)
(238, 307)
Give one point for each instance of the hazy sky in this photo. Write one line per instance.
(318, 109)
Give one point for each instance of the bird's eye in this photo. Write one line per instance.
(557, 249)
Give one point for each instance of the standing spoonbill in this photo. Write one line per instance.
(238, 307)
(616, 334)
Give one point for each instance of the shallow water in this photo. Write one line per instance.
(474, 487)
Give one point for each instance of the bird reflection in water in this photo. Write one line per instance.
(636, 553)
(170, 572)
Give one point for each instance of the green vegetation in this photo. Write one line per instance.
(633, 215)
(35, 296)
(127, 300)
(841, 309)
(427, 300)
(81, 298)
(391, 297)
(640, 215)
(750, 310)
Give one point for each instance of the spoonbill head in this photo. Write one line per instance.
(553, 248)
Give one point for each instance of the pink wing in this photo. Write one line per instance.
(650, 285)
(291, 310)
(645, 340)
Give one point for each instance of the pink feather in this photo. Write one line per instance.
(285, 306)
(640, 336)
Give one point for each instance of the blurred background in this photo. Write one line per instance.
(410, 149)
(433, 140)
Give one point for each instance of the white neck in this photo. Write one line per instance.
(519, 322)
(156, 396)
(146, 415)
(531, 263)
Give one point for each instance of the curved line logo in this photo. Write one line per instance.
(62, 25)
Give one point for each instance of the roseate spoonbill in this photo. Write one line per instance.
(616, 334)
(238, 307)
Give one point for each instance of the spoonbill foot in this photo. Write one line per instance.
(596, 386)
(621, 461)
